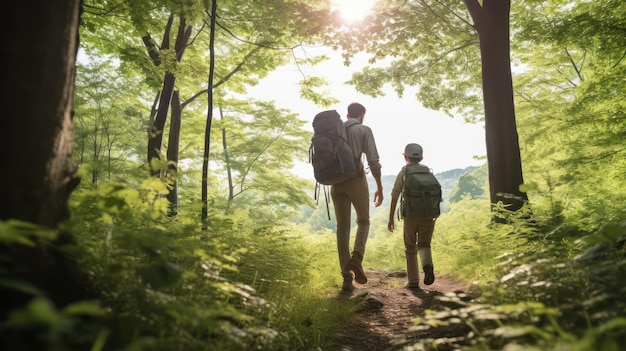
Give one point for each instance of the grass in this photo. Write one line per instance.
(464, 245)
(166, 285)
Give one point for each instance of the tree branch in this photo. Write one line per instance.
(251, 42)
(204, 24)
(448, 9)
(237, 68)
(474, 9)
(165, 43)
(295, 60)
(618, 61)
(256, 158)
(184, 33)
(224, 79)
(440, 57)
(152, 48)
(571, 60)
(99, 11)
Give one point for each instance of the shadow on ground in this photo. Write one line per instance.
(386, 311)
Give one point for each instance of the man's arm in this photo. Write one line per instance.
(378, 195)
(373, 160)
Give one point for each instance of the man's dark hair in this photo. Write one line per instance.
(355, 110)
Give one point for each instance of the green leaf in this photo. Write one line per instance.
(22, 232)
(528, 187)
(38, 311)
(84, 308)
(21, 286)
(161, 274)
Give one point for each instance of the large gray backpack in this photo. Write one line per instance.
(421, 195)
(330, 153)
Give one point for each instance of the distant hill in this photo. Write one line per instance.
(449, 178)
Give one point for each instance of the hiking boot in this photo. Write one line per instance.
(429, 275)
(354, 264)
(347, 286)
(413, 286)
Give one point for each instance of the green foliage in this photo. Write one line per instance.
(110, 121)
(30, 319)
(164, 284)
(566, 295)
(16, 232)
(258, 145)
(476, 242)
(421, 44)
(248, 45)
(308, 91)
(571, 116)
(467, 185)
(290, 269)
(263, 141)
(59, 329)
(385, 250)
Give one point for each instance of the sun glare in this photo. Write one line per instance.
(352, 10)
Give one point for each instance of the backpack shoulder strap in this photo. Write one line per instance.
(357, 159)
(416, 168)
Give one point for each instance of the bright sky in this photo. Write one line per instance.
(448, 143)
(352, 10)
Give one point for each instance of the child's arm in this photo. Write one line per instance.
(392, 211)
(395, 195)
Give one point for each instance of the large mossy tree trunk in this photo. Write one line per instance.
(491, 21)
(37, 133)
(36, 139)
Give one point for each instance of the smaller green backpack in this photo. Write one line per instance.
(421, 195)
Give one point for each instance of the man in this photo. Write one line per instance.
(355, 192)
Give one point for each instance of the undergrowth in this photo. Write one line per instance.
(566, 295)
(161, 283)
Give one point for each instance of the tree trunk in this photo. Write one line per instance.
(209, 120)
(38, 89)
(36, 140)
(94, 149)
(229, 171)
(153, 112)
(503, 154)
(172, 153)
(155, 134)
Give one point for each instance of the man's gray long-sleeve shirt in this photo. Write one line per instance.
(361, 140)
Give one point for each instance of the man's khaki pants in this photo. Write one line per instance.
(352, 192)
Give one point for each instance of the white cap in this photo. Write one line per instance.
(413, 151)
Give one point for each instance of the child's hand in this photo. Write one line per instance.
(391, 226)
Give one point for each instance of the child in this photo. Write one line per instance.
(418, 228)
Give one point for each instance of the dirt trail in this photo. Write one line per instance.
(387, 310)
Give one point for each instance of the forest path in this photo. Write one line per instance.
(386, 311)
